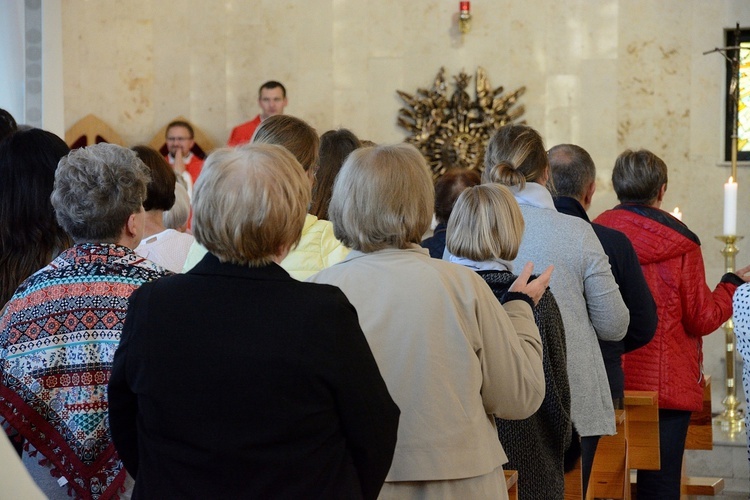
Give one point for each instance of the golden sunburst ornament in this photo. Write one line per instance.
(453, 131)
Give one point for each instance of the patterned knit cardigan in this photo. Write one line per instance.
(58, 337)
(536, 445)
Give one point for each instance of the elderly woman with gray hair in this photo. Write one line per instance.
(451, 355)
(60, 330)
(265, 386)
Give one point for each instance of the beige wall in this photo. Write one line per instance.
(605, 74)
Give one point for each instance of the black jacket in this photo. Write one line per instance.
(633, 288)
(436, 243)
(240, 382)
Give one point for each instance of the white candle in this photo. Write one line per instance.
(730, 208)
(676, 213)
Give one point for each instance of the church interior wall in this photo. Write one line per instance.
(605, 74)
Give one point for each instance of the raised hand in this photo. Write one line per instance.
(534, 288)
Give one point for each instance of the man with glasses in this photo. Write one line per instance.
(179, 144)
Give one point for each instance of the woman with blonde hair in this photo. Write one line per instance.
(484, 232)
(451, 355)
(583, 285)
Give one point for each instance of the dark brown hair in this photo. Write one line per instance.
(449, 187)
(161, 188)
(335, 146)
(183, 124)
(272, 84)
(638, 176)
(30, 236)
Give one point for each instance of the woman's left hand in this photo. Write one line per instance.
(534, 288)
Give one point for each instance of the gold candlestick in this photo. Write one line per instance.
(731, 418)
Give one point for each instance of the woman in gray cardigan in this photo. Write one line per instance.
(583, 285)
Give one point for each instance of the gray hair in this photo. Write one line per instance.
(382, 198)
(572, 170)
(97, 189)
(177, 216)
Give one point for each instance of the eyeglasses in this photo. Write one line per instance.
(178, 139)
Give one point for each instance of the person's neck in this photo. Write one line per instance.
(583, 203)
(154, 223)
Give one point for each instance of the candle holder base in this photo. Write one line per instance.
(731, 419)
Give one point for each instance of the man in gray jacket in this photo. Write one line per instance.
(574, 174)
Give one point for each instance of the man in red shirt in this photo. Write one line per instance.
(272, 101)
(179, 143)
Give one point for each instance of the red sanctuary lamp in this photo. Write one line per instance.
(464, 16)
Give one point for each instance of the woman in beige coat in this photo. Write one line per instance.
(451, 355)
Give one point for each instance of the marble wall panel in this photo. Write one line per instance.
(206, 104)
(350, 54)
(382, 99)
(564, 98)
(350, 111)
(606, 74)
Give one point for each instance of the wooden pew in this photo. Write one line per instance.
(642, 415)
(636, 445)
(573, 483)
(610, 473)
(511, 482)
(643, 422)
(700, 436)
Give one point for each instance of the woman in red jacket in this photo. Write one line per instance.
(670, 256)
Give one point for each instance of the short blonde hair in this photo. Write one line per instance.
(382, 198)
(486, 223)
(249, 203)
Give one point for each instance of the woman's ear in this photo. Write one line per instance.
(311, 174)
(131, 226)
(544, 177)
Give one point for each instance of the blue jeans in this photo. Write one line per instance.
(664, 484)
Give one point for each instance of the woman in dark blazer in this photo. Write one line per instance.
(235, 380)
